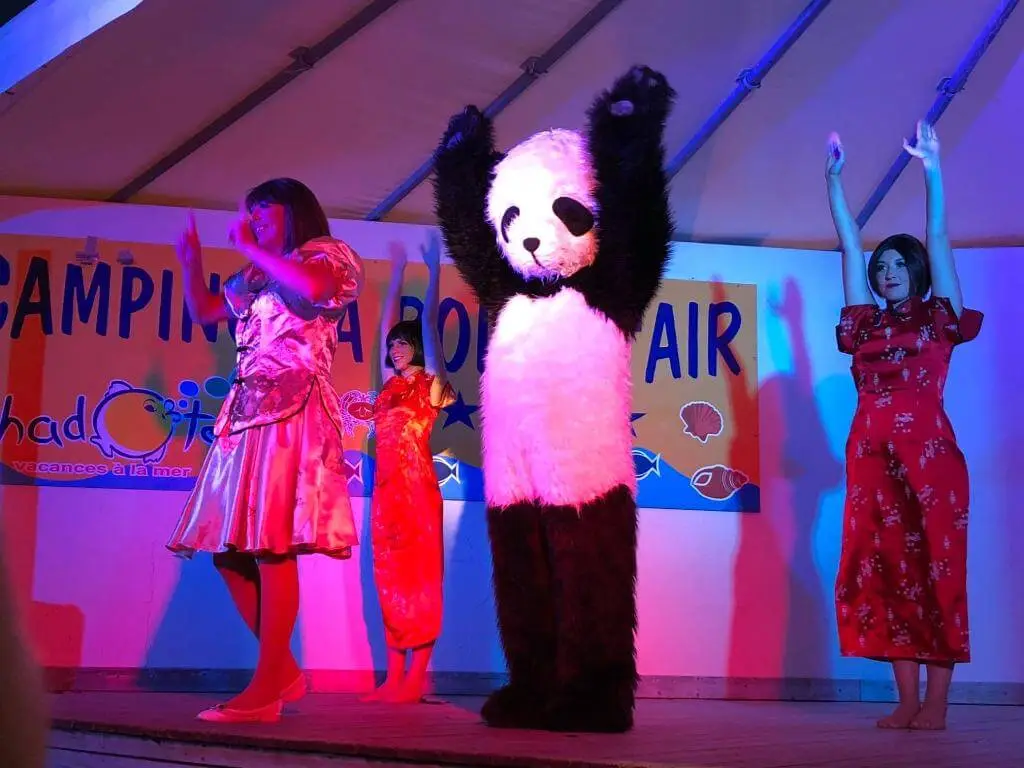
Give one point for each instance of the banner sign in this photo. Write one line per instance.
(107, 382)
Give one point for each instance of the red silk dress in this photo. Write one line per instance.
(901, 590)
(406, 513)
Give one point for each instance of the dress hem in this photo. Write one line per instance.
(921, 658)
(412, 646)
(343, 553)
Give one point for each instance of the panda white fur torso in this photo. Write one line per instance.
(557, 397)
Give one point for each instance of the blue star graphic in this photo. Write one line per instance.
(459, 411)
(633, 418)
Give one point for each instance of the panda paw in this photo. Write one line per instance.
(468, 124)
(642, 92)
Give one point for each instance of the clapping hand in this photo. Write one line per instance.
(240, 234)
(926, 148)
(431, 254)
(836, 156)
(188, 248)
(397, 256)
(790, 305)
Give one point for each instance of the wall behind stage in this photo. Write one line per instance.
(144, 418)
(722, 593)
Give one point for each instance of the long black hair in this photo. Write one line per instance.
(304, 219)
(411, 332)
(915, 256)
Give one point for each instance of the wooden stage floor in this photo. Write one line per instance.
(150, 729)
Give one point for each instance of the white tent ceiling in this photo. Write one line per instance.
(366, 116)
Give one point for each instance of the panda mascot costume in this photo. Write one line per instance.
(564, 241)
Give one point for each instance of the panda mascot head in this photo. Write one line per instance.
(541, 205)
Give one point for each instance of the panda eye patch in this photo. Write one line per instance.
(506, 221)
(577, 219)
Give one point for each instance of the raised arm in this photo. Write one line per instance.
(465, 161)
(391, 312)
(312, 280)
(204, 306)
(855, 280)
(941, 264)
(626, 126)
(433, 351)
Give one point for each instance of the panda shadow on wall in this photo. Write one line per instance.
(564, 240)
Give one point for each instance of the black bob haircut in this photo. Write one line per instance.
(411, 332)
(304, 219)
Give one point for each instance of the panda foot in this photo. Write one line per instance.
(513, 707)
(641, 91)
(601, 713)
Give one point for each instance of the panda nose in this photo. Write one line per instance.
(531, 244)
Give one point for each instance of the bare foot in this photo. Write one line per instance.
(900, 717)
(407, 693)
(931, 717)
(384, 692)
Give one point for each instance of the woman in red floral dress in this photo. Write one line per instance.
(406, 515)
(901, 590)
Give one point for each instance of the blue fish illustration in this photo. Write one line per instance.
(353, 470)
(645, 463)
(448, 470)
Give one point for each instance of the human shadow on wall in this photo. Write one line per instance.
(372, 616)
(779, 626)
(469, 642)
(56, 631)
(200, 612)
(996, 465)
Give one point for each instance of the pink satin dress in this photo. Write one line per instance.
(272, 482)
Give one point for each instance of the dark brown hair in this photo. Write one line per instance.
(914, 254)
(304, 219)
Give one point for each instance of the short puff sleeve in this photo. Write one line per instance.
(345, 267)
(954, 330)
(852, 320)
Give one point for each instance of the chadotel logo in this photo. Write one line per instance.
(129, 422)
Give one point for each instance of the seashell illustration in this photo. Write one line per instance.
(718, 482)
(701, 420)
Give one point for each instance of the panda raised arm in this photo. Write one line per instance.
(464, 165)
(626, 126)
(561, 209)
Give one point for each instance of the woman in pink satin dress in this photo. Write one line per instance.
(272, 485)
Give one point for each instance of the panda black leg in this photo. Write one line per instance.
(526, 620)
(593, 553)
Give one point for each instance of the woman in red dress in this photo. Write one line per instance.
(901, 590)
(406, 517)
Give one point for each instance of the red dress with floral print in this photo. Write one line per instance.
(406, 513)
(901, 591)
